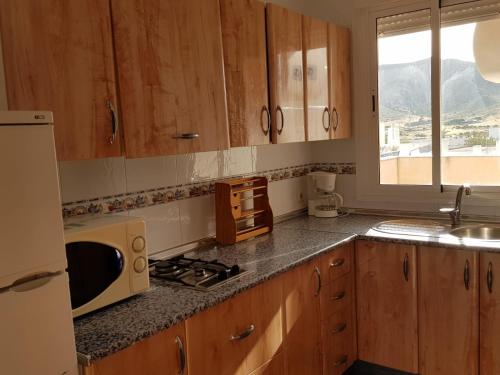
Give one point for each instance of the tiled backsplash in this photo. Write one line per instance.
(175, 193)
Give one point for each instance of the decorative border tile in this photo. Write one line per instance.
(164, 195)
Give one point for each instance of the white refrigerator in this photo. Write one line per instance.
(36, 326)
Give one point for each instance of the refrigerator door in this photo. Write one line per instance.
(37, 328)
(31, 227)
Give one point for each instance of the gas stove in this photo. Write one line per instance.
(193, 273)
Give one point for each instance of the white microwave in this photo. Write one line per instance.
(107, 260)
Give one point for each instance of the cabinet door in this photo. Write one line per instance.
(448, 312)
(284, 34)
(245, 64)
(58, 56)
(170, 66)
(163, 353)
(238, 336)
(340, 80)
(315, 36)
(489, 317)
(302, 341)
(386, 291)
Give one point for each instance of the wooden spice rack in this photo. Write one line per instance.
(242, 209)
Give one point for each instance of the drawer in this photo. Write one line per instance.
(239, 335)
(338, 342)
(337, 263)
(337, 296)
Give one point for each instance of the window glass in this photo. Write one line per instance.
(470, 104)
(404, 98)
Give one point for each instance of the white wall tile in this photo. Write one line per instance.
(149, 173)
(163, 229)
(334, 151)
(288, 195)
(197, 217)
(192, 168)
(281, 156)
(238, 161)
(88, 179)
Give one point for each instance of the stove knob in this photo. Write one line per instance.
(140, 264)
(138, 244)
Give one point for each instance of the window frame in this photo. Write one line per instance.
(369, 186)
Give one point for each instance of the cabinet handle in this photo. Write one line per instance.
(280, 129)
(467, 275)
(337, 119)
(337, 263)
(329, 122)
(268, 118)
(341, 361)
(406, 267)
(187, 136)
(489, 277)
(318, 276)
(114, 122)
(247, 332)
(338, 296)
(339, 328)
(182, 355)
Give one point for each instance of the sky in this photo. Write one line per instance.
(456, 43)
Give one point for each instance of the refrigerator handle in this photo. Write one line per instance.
(31, 282)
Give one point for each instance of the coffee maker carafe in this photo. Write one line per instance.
(323, 201)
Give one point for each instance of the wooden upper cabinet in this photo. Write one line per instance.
(238, 336)
(171, 73)
(386, 291)
(302, 340)
(448, 312)
(284, 35)
(245, 63)
(489, 318)
(58, 56)
(163, 353)
(339, 39)
(316, 99)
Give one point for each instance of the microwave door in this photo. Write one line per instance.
(37, 327)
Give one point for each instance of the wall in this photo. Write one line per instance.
(175, 193)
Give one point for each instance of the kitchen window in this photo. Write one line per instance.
(437, 95)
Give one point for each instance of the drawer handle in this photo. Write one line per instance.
(489, 277)
(186, 136)
(339, 328)
(341, 361)
(337, 263)
(280, 129)
(406, 267)
(318, 277)
(338, 296)
(266, 129)
(327, 111)
(182, 355)
(243, 335)
(467, 275)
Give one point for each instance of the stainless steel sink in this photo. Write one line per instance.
(483, 232)
(413, 227)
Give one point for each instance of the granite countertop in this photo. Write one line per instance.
(292, 242)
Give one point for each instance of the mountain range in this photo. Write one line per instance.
(405, 89)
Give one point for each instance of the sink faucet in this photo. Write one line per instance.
(455, 213)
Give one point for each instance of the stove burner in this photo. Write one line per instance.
(200, 272)
(194, 273)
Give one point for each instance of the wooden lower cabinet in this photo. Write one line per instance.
(386, 293)
(302, 336)
(239, 335)
(489, 317)
(159, 354)
(448, 312)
